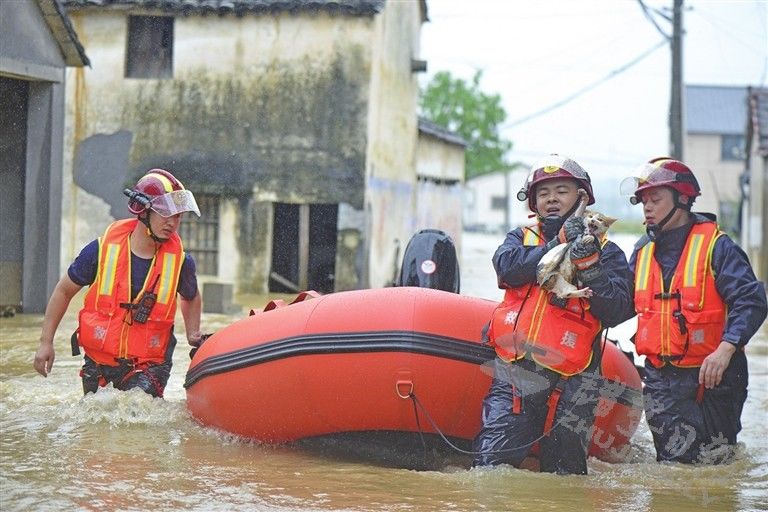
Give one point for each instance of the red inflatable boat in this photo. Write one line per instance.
(352, 361)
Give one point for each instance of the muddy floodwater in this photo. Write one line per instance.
(127, 451)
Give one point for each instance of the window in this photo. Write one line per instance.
(150, 47)
(498, 203)
(200, 235)
(732, 147)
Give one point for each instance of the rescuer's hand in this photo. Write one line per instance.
(44, 358)
(195, 338)
(572, 229)
(714, 365)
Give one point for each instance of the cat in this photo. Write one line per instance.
(556, 273)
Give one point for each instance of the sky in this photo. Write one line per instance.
(536, 53)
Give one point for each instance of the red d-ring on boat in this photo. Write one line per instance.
(402, 384)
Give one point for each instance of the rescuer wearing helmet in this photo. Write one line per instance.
(698, 303)
(134, 273)
(546, 373)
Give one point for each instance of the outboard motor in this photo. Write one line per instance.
(430, 262)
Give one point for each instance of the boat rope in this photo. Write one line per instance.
(416, 402)
(418, 425)
(418, 405)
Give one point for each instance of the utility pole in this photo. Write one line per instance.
(676, 96)
(676, 89)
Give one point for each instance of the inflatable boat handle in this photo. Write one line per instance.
(400, 385)
(274, 304)
(309, 294)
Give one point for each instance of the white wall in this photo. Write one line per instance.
(440, 167)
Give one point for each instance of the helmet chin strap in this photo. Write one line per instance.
(653, 230)
(572, 210)
(144, 218)
(563, 217)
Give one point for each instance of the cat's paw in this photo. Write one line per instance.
(583, 293)
(588, 239)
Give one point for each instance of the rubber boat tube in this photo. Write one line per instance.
(349, 361)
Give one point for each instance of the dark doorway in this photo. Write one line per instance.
(14, 100)
(303, 248)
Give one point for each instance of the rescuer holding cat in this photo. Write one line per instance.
(698, 304)
(546, 373)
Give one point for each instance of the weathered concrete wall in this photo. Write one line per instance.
(350, 249)
(440, 189)
(267, 108)
(229, 255)
(438, 159)
(392, 132)
(89, 117)
(439, 207)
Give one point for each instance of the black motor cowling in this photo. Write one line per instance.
(430, 261)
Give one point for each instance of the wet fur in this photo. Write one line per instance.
(555, 272)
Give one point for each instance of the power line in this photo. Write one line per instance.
(729, 31)
(587, 88)
(653, 20)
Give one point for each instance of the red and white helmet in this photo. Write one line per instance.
(552, 167)
(161, 192)
(661, 172)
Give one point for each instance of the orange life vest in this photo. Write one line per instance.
(525, 323)
(684, 323)
(107, 329)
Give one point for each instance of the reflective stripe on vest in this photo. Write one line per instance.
(167, 284)
(683, 323)
(106, 275)
(532, 236)
(107, 330)
(527, 324)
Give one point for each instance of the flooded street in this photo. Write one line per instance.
(127, 451)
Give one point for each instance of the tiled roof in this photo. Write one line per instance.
(715, 109)
(430, 128)
(240, 7)
(758, 100)
(61, 27)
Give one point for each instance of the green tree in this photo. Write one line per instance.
(476, 116)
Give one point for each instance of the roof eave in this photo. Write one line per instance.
(367, 8)
(62, 29)
(429, 128)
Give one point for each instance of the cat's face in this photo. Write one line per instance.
(596, 223)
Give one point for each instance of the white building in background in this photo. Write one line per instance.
(715, 123)
(491, 205)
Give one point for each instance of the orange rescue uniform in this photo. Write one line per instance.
(108, 330)
(683, 323)
(527, 323)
